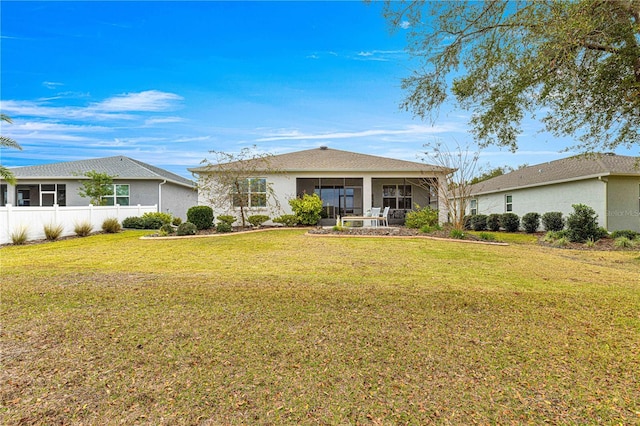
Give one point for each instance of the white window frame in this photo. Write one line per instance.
(508, 203)
(114, 197)
(473, 206)
(251, 194)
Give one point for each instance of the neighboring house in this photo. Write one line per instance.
(134, 183)
(608, 183)
(348, 184)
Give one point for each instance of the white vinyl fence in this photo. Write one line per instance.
(33, 219)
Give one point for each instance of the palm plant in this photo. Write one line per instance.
(5, 173)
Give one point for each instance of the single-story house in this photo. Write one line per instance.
(608, 183)
(134, 183)
(348, 183)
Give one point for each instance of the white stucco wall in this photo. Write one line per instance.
(548, 198)
(623, 203)
(284, 188)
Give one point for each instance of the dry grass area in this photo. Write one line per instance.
(283, 328)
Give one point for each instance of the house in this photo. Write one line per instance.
(608, 183)
(134, 183)
(348, 183)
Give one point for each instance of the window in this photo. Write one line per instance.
(473, 207)
(120, 195)
(397, 197)
(253, 193)
(53, 193)
(508, 205)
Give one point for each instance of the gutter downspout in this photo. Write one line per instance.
(606, 201)
(160, 195)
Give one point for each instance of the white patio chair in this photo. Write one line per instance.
(375, 215)
(384, 217)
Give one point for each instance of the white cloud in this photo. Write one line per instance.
(42, 110)
(405, 25)
(149, 100)
(52, 84)
(414, 130)
(161, 120)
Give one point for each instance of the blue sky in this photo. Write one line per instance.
(166, 82)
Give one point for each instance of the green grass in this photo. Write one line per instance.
(284, 328)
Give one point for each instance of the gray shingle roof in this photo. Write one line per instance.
(120, 166)
(334, 160)
(563, 170)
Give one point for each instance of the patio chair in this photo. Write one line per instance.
(384, 217)
(375, 215)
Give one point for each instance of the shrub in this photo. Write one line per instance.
(82, 229)
(338, 228)
(632, 235)
(531, 222)
(52, 232)
(20, 235)
(257, 219)
(623, 242)
(510, 222)
(307, 209)
(582, 224)
(561, 242)
(186, 228)
(167, 229)
(155, 220)
(493, 222)
(200, 216)
(176, 221)
(133, 222)
(466, 222)
(287, 220)
(485, 236)
(111, 225)
(228, 219)
(552, 236)
(553, 221)
(457, 234)
(428, 229)
(421, 217)
(590, 243)
(224, 227)
(479, 222)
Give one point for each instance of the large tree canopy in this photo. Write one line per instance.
(573, 64)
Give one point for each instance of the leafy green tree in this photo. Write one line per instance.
(5, 141)
(574, 63)
(98, 186)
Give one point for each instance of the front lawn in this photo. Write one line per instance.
(279, 327)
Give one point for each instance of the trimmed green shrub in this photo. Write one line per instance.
(493, 222)
(52, 232)
(287, 220)
(478, 222)
(152, 222)
(510, 222)
(83, 229)
(421, 217)
(176, 221)
(162, 217)
(224, 227)
(307, 208)
(186, 228)
(133, 222)
(167, 229)
(200, 216)
(257, 219)
(228, 219)
(553, 221)
(531, 222)
(466, 222)
(632, 235)
(111, 225)
(582, 224)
